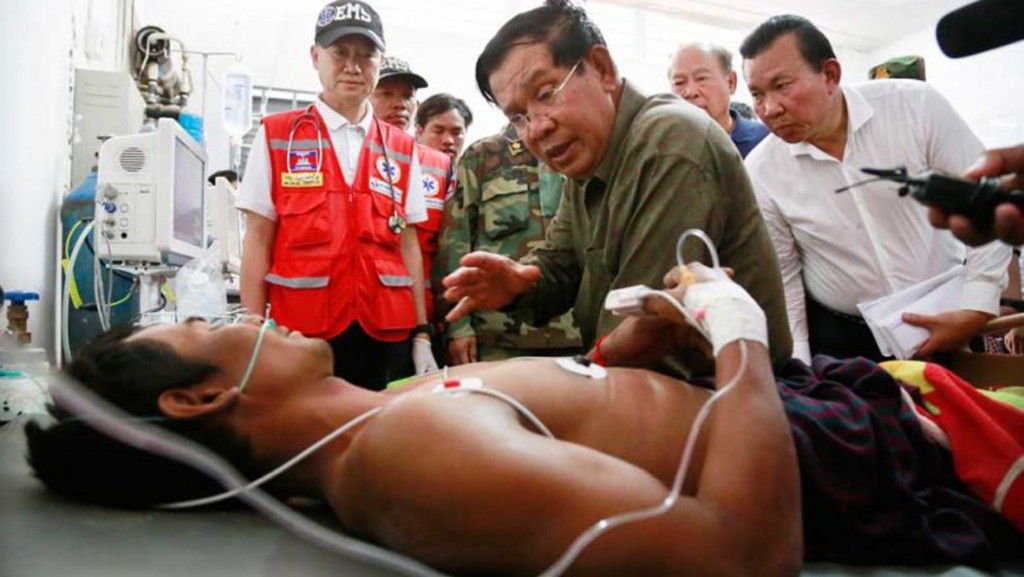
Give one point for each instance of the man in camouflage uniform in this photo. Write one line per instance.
(503, 204)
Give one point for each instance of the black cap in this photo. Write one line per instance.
(346, 17)
(395, 67)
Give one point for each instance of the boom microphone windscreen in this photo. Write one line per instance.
(980, 26)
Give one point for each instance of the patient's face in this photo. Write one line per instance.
(285, 357)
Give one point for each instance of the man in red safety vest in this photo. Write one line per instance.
(330, 195)
(394, 102)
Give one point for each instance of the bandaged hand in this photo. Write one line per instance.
(723, 308)
(422, 357)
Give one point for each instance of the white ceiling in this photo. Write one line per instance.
(858, 24)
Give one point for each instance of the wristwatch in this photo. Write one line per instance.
(424, 328)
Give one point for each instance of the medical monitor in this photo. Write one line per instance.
(224, 223)
(150, 204)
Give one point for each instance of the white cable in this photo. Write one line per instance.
(608, 523)
(110, 287)
(703, 236)
(521, 408)
(279, 470)
(97, 283)
(68, 275)
(105, 305)
(536, 422)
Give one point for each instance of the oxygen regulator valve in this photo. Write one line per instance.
(17, 314)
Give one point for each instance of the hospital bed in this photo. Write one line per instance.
(43, 535)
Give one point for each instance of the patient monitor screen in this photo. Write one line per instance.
(188, 195)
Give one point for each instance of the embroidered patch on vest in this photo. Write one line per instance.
(380, 187)
(302, 179)
(388, 170)
(303, 160)
(430, 185)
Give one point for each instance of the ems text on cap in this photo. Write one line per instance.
(347, 17)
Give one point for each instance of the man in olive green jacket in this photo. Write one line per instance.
(641, 171)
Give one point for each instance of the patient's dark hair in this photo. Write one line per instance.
(75, 460)
(565, 28)
(814, 45)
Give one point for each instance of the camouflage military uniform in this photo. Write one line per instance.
(503, 203)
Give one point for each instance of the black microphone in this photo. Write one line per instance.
(980, 26)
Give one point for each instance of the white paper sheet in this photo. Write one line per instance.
(939, 294)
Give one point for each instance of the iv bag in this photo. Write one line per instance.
(237, 102)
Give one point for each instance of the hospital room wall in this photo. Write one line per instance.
(985, 89)
(38, 63)
(38, 41)
(440, 39)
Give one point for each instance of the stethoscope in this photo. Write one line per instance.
(395, 222)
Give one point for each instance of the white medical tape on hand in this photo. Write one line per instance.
(727, 311)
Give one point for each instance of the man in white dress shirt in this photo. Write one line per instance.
(331, 196)
(840, 249)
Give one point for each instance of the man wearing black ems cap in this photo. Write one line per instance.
(331, 196)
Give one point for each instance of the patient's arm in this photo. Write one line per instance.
(473, 491)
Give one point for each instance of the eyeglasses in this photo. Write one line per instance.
(358, 56)
(543, 105)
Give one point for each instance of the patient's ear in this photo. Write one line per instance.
(197, 401)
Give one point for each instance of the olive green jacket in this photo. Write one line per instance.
(668, 168)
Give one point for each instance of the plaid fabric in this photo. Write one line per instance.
(875, 489)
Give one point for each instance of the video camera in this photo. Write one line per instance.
(975, 200)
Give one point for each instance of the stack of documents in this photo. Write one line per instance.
(884, 315)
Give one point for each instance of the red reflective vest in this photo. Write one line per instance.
(438, 181)
(335, 260)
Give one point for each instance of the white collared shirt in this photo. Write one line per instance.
(868, 242)
(347, 141)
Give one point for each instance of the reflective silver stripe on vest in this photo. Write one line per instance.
(391, 153)
(395, 280)
(299, 282)
(434, 170)
(282, 144)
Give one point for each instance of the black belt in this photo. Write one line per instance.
(845, 316)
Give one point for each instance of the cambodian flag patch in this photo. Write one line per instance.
(303, 160)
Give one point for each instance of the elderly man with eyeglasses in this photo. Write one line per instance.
(641, 170)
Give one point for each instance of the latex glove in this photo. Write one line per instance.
(462, 350)
(726, 311)
(422, 357)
